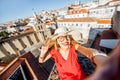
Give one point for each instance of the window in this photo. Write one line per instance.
(80, 24)
(111, 10)
(18, 74)
(39, 27)
(88, 25)
(64, 24)
(76, 24)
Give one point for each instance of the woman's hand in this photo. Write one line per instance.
(44, 55)
(44, 50)
(98, 57)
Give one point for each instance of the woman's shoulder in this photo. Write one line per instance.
(53, 51)
(76, 46)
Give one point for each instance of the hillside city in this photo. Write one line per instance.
(94, 23)
(99, 13)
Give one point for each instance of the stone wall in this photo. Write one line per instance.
(116, 22)
(15, 46)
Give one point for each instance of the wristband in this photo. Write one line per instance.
(95, 54)
(41, 57)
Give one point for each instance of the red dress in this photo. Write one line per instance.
(68, 69)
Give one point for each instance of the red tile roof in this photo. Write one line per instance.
(2, 66)
(30, 65)
(104, 21)
(77, 11)
(115, 0)
(78, 20)
(83, 10)
(108, 34)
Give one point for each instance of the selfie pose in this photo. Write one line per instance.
(63, 50)
(110, 69)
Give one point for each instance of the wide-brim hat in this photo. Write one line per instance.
(62, 31)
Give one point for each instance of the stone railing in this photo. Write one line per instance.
(17, 45)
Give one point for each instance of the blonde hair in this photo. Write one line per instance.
(72, 42)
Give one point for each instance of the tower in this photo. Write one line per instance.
(77, 2)
(38, 20)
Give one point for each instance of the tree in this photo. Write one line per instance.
(4, 34)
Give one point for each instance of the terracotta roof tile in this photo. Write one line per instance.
(108, 34)
(77, 11)
(30, 65)
(83, 10)
(78, 20)
(104, 21)
(115, 0)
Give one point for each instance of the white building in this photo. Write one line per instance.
(102, 12)
(103, 2)
(104, 23)
(77, 13)
(83, 25)
(9, 30)
(32, 22)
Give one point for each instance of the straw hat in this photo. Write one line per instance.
(62, 31)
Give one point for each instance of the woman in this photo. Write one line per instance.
(65, 56)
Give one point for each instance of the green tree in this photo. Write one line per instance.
(54, 19)
(4, 34)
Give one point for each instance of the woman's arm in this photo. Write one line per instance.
(110, 69)
(44, 59)
(44, 56)
(98, 57)
(92, 54)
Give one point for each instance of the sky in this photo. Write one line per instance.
(17, 9)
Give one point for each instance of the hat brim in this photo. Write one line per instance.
(55, 36)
